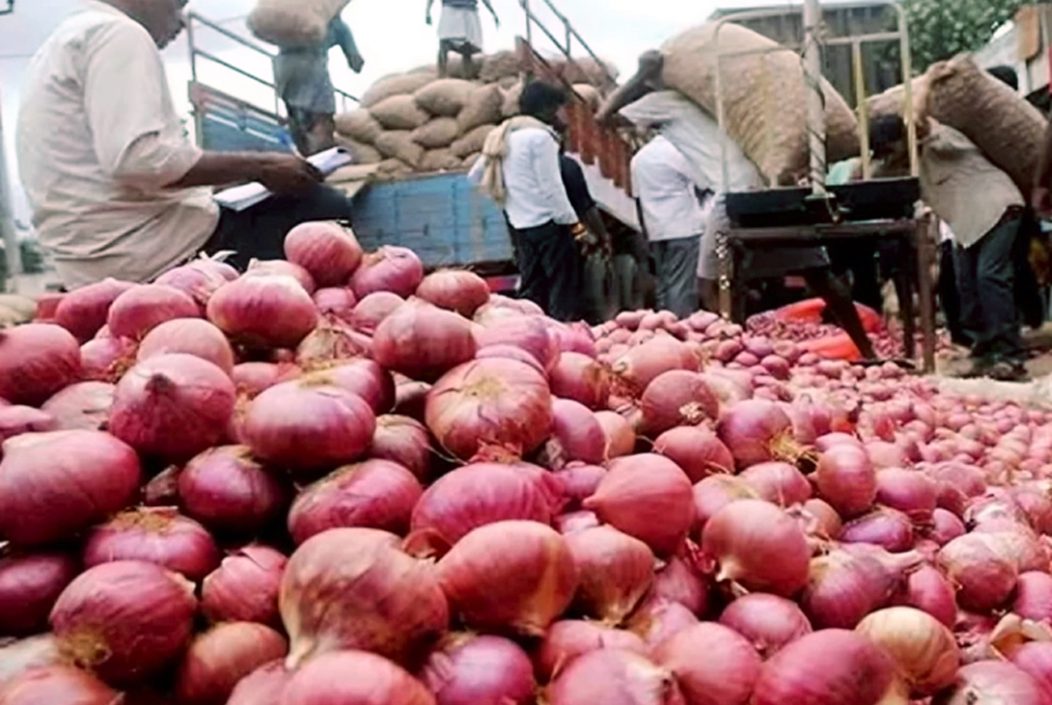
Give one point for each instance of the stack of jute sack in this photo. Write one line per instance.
(416, 122)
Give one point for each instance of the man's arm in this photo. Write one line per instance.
(345, 39)
(489, 6)
(281, 173)
(545, 162)
(651, 64)
(430, 4)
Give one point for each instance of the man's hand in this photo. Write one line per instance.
(356, 62)
(428, 18)
(496, 19)
(288, 174)
(1041, 200)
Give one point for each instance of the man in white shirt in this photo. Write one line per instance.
(116, 186)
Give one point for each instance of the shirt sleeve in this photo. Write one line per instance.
(576, 186)
(545, 153)
(138, 138)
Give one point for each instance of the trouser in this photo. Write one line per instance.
(986, 283)
(550, 268)
(627, 294)
(259, 232)
(1029, 298)
(599, 289)
(312, 132)
(949, 298)
(677, 264)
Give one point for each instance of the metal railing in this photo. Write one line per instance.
(7, 8)
(569, 34)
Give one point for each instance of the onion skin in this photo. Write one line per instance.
(330, 343)
(698, 451)
(337, 302)
(923, 649)
(106, 359)
(888, 528)
(768, 622)
(222, 656)
(58, 684)
(253, 378)
(1035, 658)
(281, 268)
(568, 639)
(514, 575)
(361, 377)
(755, 432)
(976, 564)
(1033, 596)
(264, 311)
(373, 309)
(656, 621)
(994, 682)
(327, 251)
(390, 603)
(264, 686)
(725, 676)
(16, 420)
(525, 332)
(228, 491)
(353, 677)
(846, 584)
(84, 406)
(197, 282)
(615, 571)
(845, 478)
(573, 522)
(778, 483)
(192, 336)
(375, 494)
(641, 365)
(579, 482)
(25, 655)
(88, 474)
(245, 587)
(29, 586)
(405, 441)
(620, 437)
(945, 527)
(469, 669)
(83, 311)
(927, 589)
(908, 491)
(614, 677)
(454, 290)
(36, 360)
(576, 435)
(142, 308)
(394, 269)
(678, 398)
(422, 341)
(581, 378)
(679, 582)
(124, 620)
(714, 493)
(509, 352)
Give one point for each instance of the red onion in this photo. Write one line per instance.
(888, 528)
(620, 437)
(643, 364)
(394, 269)
(581, 378)
(922, 648)
(16, 420)
(727, 673)
(759, 547)
(222, 656)
(163, 489)
(403, 440)
(192, 336)
(756, 432)
(173, 406)
(469, 670)
(995, 682)
(885, 455)
(945, 527)
(957, 483)
(411, 399)
(106, 359)
(155, 535)
(848, 583)
(354, 588)
(580, 482)
(329, 252)
(714, 493)
(88, 474)
(375, 494)
(769, 622)
(568, 639)
(338, 302)
(36, 360)
(573, 522)
(47, 306)
(615, 571)
(373, 309)
(264, 686)
(1038, 506)
(361, 377)
(500, 307)
(614, 677)
(696, 450)
(656, 621)
(455, 290)
(264, 311)
(831, 440)
(778, 483)
(1033, 596)
(646, 496)
(517, 575)
(84, 406)
(281, 268)
(253, 378)
(977, 565)
(354, 677)
(803, 672)
(908, 491)
(680, 583)
(1035, 658)
(29, 585)
(125, 620)
(58, 684)
(25, 655)
(83, 311)
(528, 333)
(490, 403)
(822, 521)
(509, 352)
(422, 341)
(329, 343)
(308, 429)
(142, 308)
(678, 398)
(845, 478)
(927, 589)
(199, 283)
(729, 389)
(228, 491)
(244, 588)
(576, 435)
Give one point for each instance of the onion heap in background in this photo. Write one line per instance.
(338, 481)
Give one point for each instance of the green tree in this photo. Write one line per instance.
(939, 29)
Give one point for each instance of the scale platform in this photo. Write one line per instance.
(877, 199)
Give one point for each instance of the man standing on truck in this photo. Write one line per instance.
(301, 77)
(460, 31)
(116, 186)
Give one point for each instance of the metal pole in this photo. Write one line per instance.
(816, 109)
(7, 217)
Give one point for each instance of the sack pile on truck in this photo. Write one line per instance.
(294, 23)
(416, 122)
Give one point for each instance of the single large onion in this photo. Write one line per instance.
(125, 620)
(614, 569)
(264, 686)
(945, 527)
(375, 494)
(576, 435)
(192, 336)
(16, 420)
(394, 269)
(308, 429)
(244, 588)
(83, 311)
(220, 657)
(804, 672)
(614, 677)
(581, 378)
(337, 302)
(928, 590)
(197, 282)
(848, 583)
(264, 311)
(58, 684)
(778, 483)
(156, 535)
(422, 341)
(84, 406)
(698, 451)
(106, 359)
(373, 309)
(1036, 659)
(1033, 596)
(173, 406)
(579, 482)
(646, 496)
(24, 655)
(528, 333)
(995, 682)
(517, 575)
(678, 398)
(888, 528)
(759, 547)
(142, 308)
(281, 268)
(228, 491)
(29, 585)
(353, 678)
(510, 352)
(405, 441)
(36, 360)
(568, 639)
(845, 478)
(714, 493)
(978, 565)
(329, 252)
(656, 621)
(471, 670)
(757, 431)
(455, 290)
(361, 377)
(769, 622)
(924, 650)
(355, 588)
(620, 437)
(909, 491)
(53, 485)
(727, 673)
(641, 365)
(679, 582)
(490, 403)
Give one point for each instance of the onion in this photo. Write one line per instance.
(375, 494)
(579, 482)
(501, 307)
(16, 420)
(373, 309)
(354, 588)
(490, 403)
(620, 438)
(656, 621)
(124, 620)
(581, 378)
(53, 485)
(142, 308)
(403, 440)
(106, 359)
(244, 588)
(509, 352)
(354, 678)
(527, 333)
(84, 406)
(1035, 658)
(678, 398)
(803, 672)
(1038, 506)
(36, 360)
(957, 483)
(155, 535)
(361, 377)
(336, 302)
(308, 429)
(923, 650)
(769, 622)
(25, 655)
(848, 583)
(643, 364)
(29, 585)
(199, 283)
(568, 639)
(163, 489)
(822, 520)
(845, 478)
(222, 656)
(576, 435)
(573, 522)
(253, 378)
(422, 341)
(1033, 596)
(756, 432)
(455, 290)
(228, 491)
(469, 670)
(172, 406)
(888, 528)
(729, 389)
(192, 336)
(614, 677)
(516, 575)
(928, 590)
(908, 491)
(994, 682)
(696, 450)
(264, 311)
(329, 343)
(281, 268)
(83, 311)
(778, 483)
(58, 684)
(727, 673)
(678, 582)
(977, 565)
(327, 251)
(646, 496)
(759, 547)
(264, 686)
(615, 571)
(945, 527)
(714, 493)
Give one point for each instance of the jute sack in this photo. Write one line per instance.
(765, 98)
(293, 23)
(503, 64)
(588, 70)
(438, 133)
(510, 103)
(439, 160)
(397, 84)
(589, 93)
(469, 161)
(399, 112)
(484, 107)
(359, 125)
(362, 153)
(393, 169)
(399, 144)
(472, 142)
(891, 101)
(445, 97)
